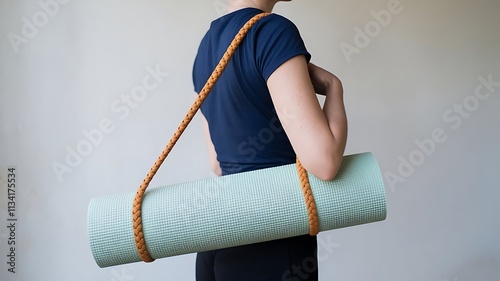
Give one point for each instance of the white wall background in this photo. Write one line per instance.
(67, 73)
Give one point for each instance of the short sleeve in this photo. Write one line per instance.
(277, 40)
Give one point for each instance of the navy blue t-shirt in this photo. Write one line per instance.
(243, 123)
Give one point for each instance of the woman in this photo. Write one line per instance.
(263, 112)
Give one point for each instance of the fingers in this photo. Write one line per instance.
(320, 78)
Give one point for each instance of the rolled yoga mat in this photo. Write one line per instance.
(234, 210)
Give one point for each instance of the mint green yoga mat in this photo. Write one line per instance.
(234, 210)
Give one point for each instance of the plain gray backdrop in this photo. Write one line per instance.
(422, 93)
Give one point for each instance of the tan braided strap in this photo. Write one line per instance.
(312, 212)
(136, 209)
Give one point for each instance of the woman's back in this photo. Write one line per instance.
(244, 126)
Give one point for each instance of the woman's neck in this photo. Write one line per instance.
(266, 6)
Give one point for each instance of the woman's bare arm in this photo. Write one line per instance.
(317, 135)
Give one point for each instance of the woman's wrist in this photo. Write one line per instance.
(334, 87)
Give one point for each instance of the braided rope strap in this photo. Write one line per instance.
(137, 204)
(312, 211)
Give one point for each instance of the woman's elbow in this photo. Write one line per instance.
(328, 174)
(327, 170)
(215, 167)
(217, 171)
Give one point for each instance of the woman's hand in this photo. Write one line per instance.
(322, 80)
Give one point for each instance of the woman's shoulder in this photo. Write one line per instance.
(276, 21)
(241, 16)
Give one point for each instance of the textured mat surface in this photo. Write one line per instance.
(234, 210)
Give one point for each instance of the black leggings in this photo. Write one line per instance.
(291, 259)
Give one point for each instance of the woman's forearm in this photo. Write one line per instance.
(334, 111)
